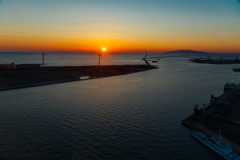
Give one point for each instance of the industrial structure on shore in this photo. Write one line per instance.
(208, 60)
(222, 113)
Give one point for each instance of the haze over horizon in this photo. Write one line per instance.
(120, 25)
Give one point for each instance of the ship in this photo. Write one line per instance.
(218, 145)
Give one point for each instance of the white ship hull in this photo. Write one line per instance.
(212, 147)
(216, 147)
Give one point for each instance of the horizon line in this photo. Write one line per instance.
(149, 51)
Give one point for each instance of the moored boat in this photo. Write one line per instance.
(229, 86)
(218, 145)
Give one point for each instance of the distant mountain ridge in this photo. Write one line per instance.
(189, 51)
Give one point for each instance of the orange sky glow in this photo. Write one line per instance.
(74, 28)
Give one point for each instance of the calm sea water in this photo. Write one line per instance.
(135, 116)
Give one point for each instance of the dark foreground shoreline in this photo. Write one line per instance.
(30, 75)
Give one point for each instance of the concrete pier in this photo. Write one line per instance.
(223, 113)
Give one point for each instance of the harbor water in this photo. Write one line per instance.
(134, 116)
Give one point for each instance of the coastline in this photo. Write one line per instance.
(38, 76)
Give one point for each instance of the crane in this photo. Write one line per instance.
(147, 57)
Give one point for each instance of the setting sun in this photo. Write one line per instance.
(104, 49)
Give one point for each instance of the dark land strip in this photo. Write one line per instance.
(29, 75)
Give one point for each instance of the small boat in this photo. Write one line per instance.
(194, 59)
(229, 86)
(218, 145)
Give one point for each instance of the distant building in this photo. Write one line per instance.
(9, 66)
(13, 65)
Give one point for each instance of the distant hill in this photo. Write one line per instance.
(188, 52)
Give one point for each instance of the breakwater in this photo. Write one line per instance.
(34, 75)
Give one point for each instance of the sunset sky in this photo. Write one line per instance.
(120, 25)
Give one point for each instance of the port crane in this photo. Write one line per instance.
(148, 57)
